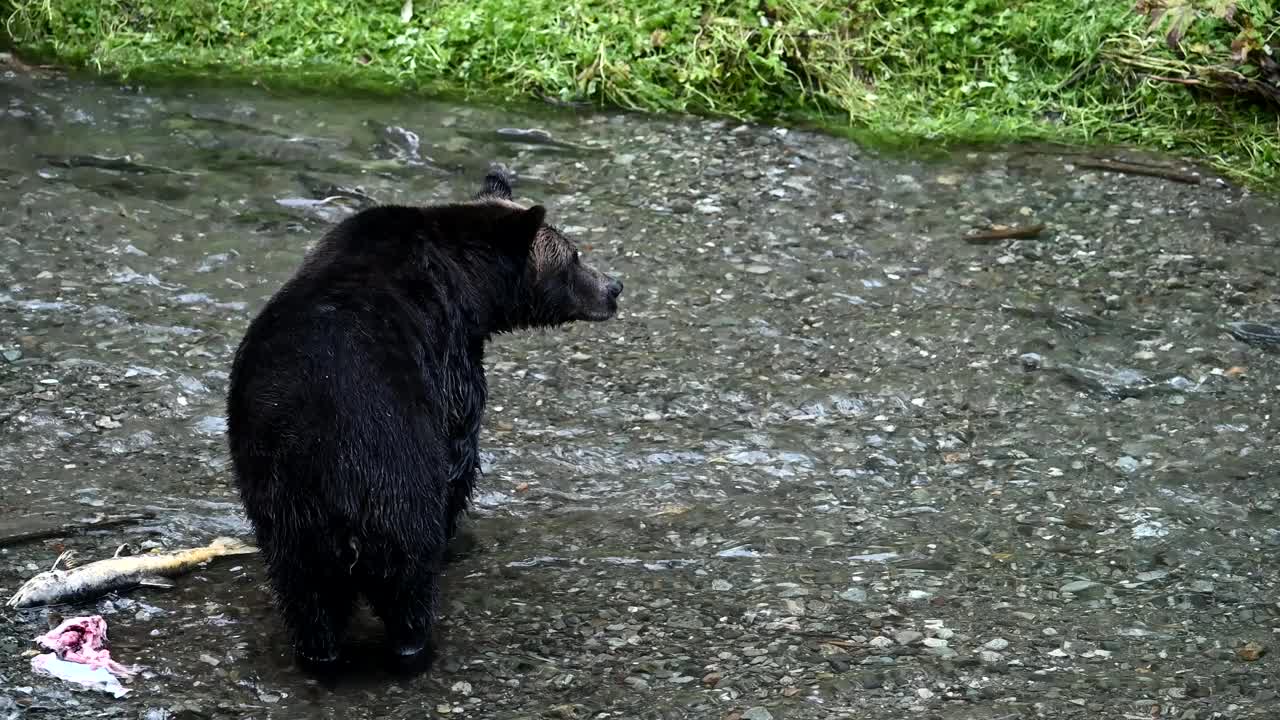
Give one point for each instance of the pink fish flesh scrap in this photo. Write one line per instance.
(83, 640)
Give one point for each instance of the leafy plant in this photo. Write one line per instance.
(1226, 46)
(892, 72)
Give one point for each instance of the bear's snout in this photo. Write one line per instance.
(614, 288)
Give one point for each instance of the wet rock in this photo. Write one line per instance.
(1078, 586)
(211, 425)
(881, 642)
(908, 637)
(871, 680)
(637, 683)
(854, 595)
(1149, 530)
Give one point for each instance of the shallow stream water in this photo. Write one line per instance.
(831, 460)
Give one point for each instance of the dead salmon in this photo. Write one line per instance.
(121, 572)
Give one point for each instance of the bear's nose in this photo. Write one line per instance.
(615, 287)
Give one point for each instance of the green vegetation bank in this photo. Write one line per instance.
(1190, 76)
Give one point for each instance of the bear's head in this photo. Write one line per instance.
(558, 287)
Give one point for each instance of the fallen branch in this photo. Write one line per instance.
(1136, 169)
(1011, 233)
(1178, 81)
(74, 528)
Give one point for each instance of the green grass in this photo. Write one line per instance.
(893, 72)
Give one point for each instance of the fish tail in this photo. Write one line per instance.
(232, 546)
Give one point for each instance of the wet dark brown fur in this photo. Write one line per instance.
(356, 399)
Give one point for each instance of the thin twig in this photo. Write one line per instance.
(1136, 169)
(1179, 81)
(1012, 233)
(74, 528)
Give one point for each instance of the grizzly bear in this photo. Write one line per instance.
(356, 398)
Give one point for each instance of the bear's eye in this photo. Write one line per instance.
(577, 256)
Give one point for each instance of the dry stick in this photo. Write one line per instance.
(1013, 233)
(1136, 169)
(1092, 159)
(1179, 81)
(71, 529)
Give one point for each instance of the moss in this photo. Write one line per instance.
(904, 73)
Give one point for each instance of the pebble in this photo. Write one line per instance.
(996, 644)
(1078, 586)
(1127, 464)
(854, 595)
(757, 713)
(637, 683)
(881, 642)
(759, 269)
(924, 693)
(907, 637)
(721, 585)
(990, 657)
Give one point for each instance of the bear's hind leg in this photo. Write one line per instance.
(406, 599)
(316, 599)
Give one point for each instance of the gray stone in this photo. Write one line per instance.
(908, 637)
(854, 595)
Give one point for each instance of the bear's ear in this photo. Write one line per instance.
(521, 226)
(497, 183)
